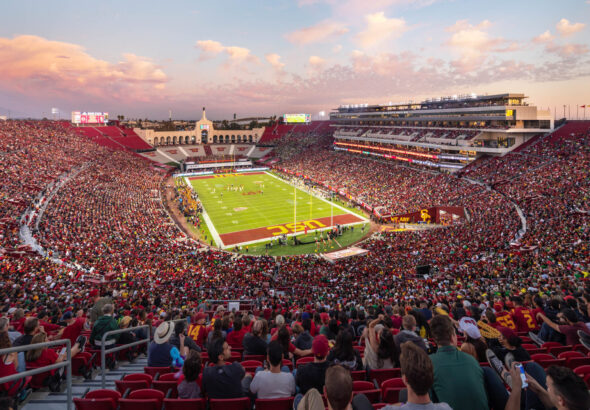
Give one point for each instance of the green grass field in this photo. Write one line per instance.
(265, 201)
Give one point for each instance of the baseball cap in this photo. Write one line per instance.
(469, 327)
(320, 346)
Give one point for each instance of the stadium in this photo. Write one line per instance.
(430, 252)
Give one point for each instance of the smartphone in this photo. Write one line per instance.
(522, 376)
(63, 350)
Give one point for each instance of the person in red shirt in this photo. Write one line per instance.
(198, 330)
(45, 356)
(538, 309)
(48, 327)
(73, 329)
(8, 365)
(522, 317)
(503, 318)
(569, 327)
(235, 337)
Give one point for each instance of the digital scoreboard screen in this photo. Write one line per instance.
(85, 117)
(297, 118)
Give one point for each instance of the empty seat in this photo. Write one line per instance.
(101, 399)
(185, 404)
(143, 399)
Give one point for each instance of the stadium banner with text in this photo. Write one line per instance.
(297, 118)
(86, 117)
(445, 215)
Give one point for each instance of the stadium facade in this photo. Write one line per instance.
(460, 127)
(203, 133)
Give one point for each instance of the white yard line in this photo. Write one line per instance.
(322, 199)
(219, 243)
(208, 221)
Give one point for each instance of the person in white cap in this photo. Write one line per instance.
(161, 352)
(474, 344)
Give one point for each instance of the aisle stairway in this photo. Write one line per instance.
(45, 400)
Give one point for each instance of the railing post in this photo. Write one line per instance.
(56, 366)
(69, 372)
(104, 351)
(103, 362)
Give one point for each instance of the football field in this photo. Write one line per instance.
(246, 208)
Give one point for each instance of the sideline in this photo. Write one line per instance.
(218, 242)
(320, 198)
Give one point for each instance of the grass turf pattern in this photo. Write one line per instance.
(264, 201)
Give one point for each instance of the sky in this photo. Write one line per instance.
(145, 59)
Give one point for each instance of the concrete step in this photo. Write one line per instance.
(46, 400)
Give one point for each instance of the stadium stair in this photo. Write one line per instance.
(45, 400)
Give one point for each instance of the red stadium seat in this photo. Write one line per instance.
(285, 403)
(95, 404)
(102, 399)
(584, 373)
(185, 404)
(251, 365)
(358, 375)
(123, 385)
(546, 360)
(303, 360)
(288, 363)
(380, 375)
(259, 357)
(368, 389)
(242, 403)
(556, 350)
(152, 371)
(391, 388)
(142, 399)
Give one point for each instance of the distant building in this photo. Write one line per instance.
(203, 133)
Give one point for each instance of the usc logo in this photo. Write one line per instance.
(425, 215)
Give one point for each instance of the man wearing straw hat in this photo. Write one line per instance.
(161, 352)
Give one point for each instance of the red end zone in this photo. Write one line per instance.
(269, 232)
(224, 175)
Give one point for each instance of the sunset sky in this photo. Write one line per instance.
(141, 58)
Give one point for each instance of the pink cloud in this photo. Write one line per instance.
(380, 29)
(473, 43)
(41, 66)
(565, 28)
(211, 48)
(323, 31)
(546, 37)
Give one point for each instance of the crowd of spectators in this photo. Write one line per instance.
(107, 221)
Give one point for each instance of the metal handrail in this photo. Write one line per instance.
(66, 363)
(104, 352)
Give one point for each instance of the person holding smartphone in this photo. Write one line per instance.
(565, 390)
